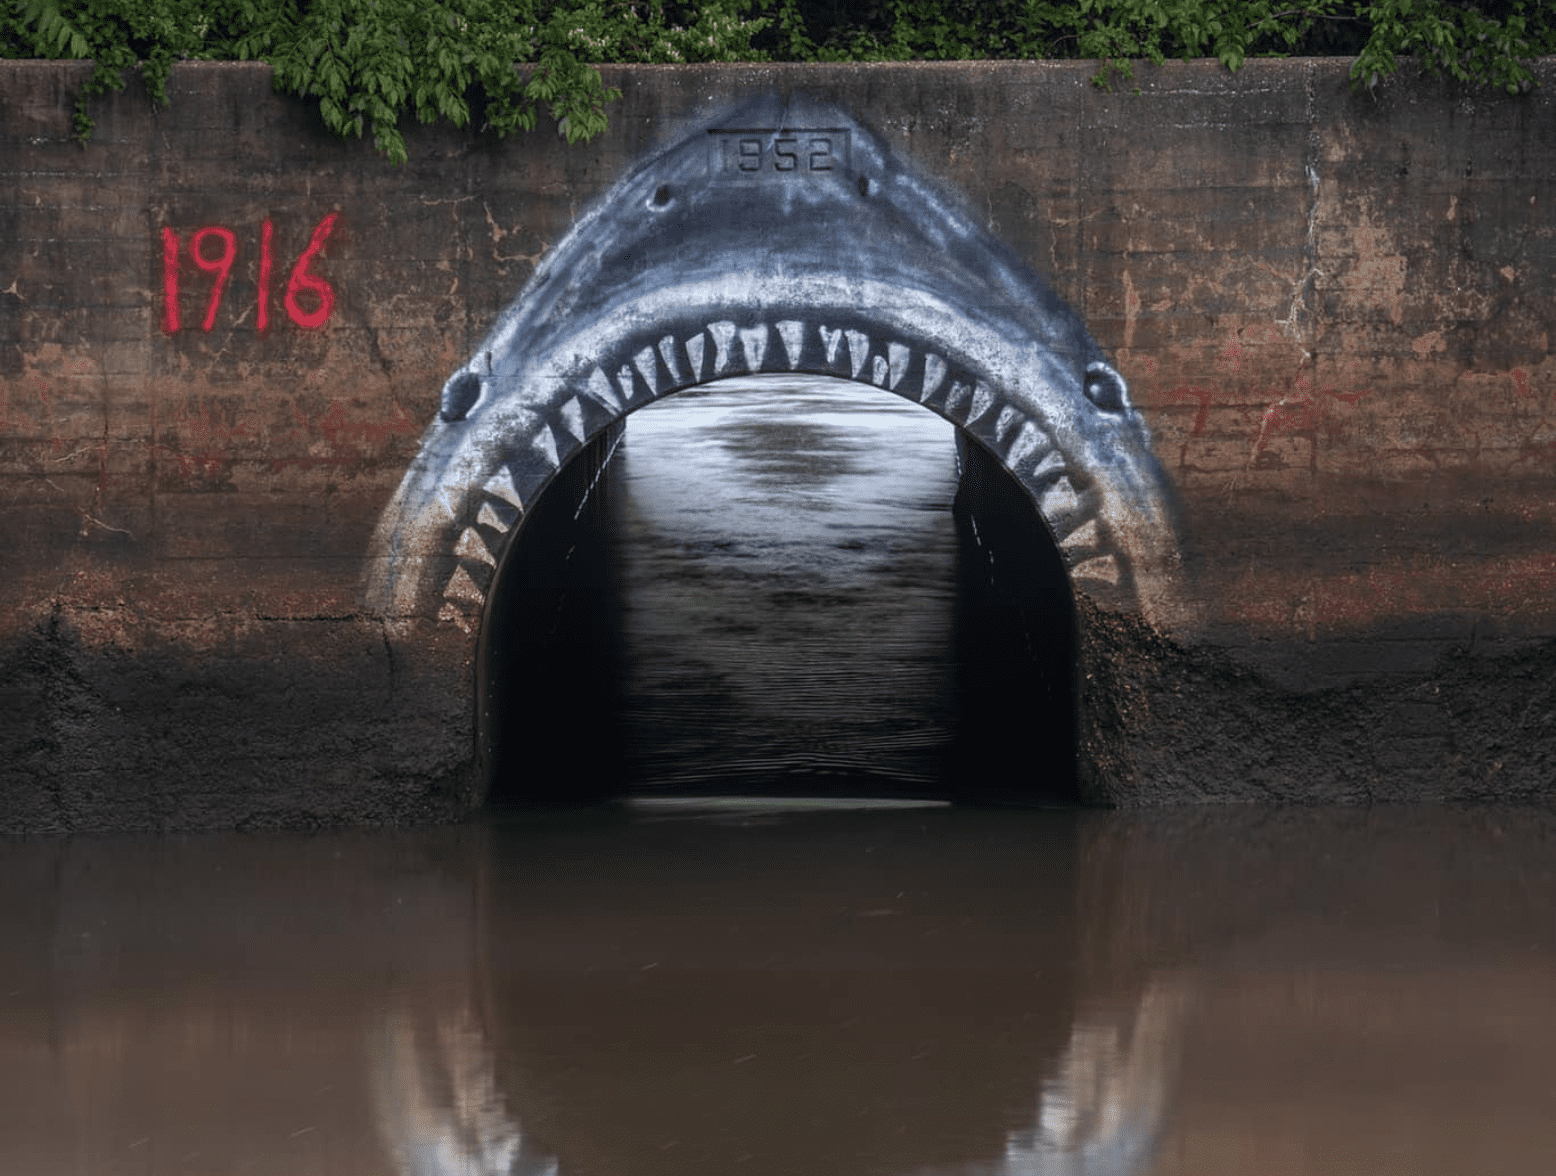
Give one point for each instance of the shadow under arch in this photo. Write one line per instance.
(820, 651)
(783, 237)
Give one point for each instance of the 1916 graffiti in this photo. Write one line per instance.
(214, 250)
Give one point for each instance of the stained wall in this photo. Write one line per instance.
(1333, 309)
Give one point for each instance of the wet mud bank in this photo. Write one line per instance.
(287, 725)
(360, 729)
(1167, 722)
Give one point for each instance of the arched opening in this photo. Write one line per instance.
(780, 585)
(694, 268)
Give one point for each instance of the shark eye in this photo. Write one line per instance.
(460, 395)
(864, 185)
(1106, 388)
(661, 197)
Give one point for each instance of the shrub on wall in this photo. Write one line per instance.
(371, 63)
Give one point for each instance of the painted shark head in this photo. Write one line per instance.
(783, 237)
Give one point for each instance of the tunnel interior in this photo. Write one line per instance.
(769, 588)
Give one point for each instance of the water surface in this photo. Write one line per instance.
(778, 988)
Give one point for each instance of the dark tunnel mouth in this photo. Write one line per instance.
(1014, 610)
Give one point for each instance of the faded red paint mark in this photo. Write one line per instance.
(1232, 357)
(206, 443)
(1520, 383)
(303, 282)
(1303, 409)
(209, 438)
(350, 440)
(1389, 590)
(346, 433)
(1189, 394)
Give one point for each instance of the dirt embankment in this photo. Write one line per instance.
(292, 724)
(1163, 722)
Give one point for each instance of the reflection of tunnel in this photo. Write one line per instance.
(562, 679)
(856, 993)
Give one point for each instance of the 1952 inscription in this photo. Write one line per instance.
(777, 152)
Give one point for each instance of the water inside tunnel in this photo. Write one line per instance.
(780, 586)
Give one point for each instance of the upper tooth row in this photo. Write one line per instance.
(725, 349)
(715, 352)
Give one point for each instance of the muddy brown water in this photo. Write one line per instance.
(777, 987)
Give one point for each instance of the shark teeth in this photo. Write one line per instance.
(647, 369)
(667, 353)
(858, 351)
(571, 417)
(599, 388)
(544, 443)
(472, 546)
(1064, 509)
(1029, 440)
(753, 342)
(982, 400)
(934, 375)
(723, 334)
(501, 487)
(694, 350)
(830, 340)
(627, 381)
(1103, 568)
(793, 335)
(488, 517)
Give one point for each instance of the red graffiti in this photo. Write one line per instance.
(220, 266)
(266, 259)
(169, 281)
(303, 281)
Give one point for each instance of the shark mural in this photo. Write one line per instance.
(782, 237)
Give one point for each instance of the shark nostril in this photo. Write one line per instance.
(661, 196)
(460, 395)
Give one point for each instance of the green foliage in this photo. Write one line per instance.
(372, 63)
(1490, 45)
(1488, 42)
(115, 36)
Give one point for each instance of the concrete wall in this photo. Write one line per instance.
(1333, 310)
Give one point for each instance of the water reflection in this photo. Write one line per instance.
(1103, 1110)
(438, 1105)
(442, 1114)
(928, 990)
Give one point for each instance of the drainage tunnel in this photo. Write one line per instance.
(780, 586)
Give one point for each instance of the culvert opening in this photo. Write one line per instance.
(780, 586)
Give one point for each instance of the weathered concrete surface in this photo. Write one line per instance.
(1164, 722)
(1335, 311)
